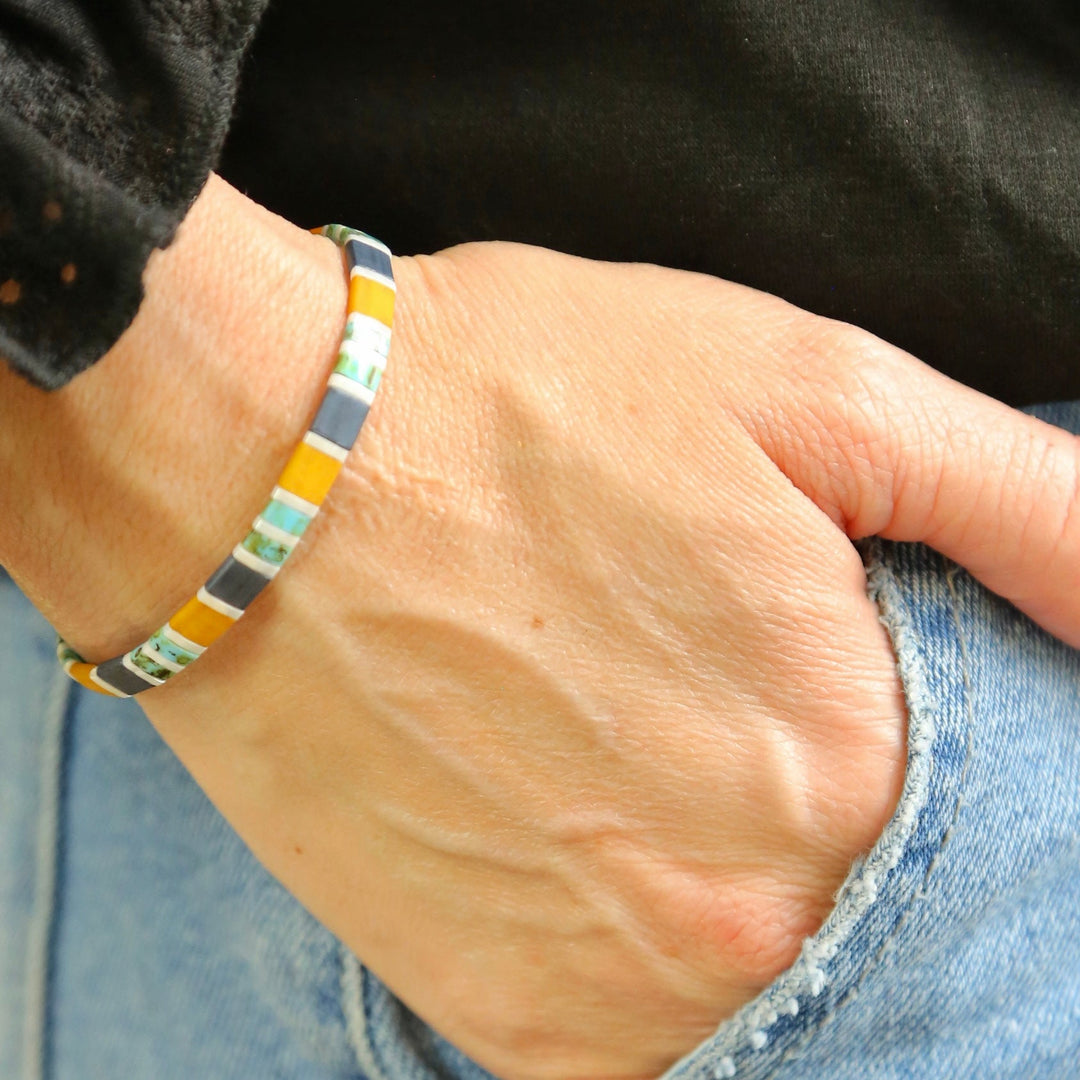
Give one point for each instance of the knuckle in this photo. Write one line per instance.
(846, 363)
(858, 412)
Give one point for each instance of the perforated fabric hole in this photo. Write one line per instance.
(108, 128)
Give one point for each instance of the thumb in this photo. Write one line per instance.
(898, 450)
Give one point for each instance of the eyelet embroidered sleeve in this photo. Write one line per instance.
(111, 117)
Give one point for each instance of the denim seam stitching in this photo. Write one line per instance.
(357, 1021)
(969, 712)
(41, 932)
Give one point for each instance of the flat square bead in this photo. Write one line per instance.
(262, 547)
(340, 418)
(235, 584)
(368, 297)
(121, 678)
(309, 474)
(359, 253)
(170, 650)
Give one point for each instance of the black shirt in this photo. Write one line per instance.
(907, 165)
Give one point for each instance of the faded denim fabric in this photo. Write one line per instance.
(139, 939)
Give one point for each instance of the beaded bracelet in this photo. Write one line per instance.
(300, 490)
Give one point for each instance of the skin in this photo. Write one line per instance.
(571, 712)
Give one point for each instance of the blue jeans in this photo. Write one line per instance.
(140, 940)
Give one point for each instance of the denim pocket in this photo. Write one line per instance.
(954, 946)
(768, 1034)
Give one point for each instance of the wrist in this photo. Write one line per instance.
(149, 467)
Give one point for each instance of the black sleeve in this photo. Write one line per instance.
(112, 113)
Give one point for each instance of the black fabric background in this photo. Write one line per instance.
(910, 166)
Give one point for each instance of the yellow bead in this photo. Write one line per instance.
(309, 474)
(199, 623)
(367, 297)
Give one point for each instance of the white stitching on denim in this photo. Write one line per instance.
(357, 1030)
(965, 668)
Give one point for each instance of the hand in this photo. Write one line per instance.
(571, 713)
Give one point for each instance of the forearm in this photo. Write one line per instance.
(148, 467)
